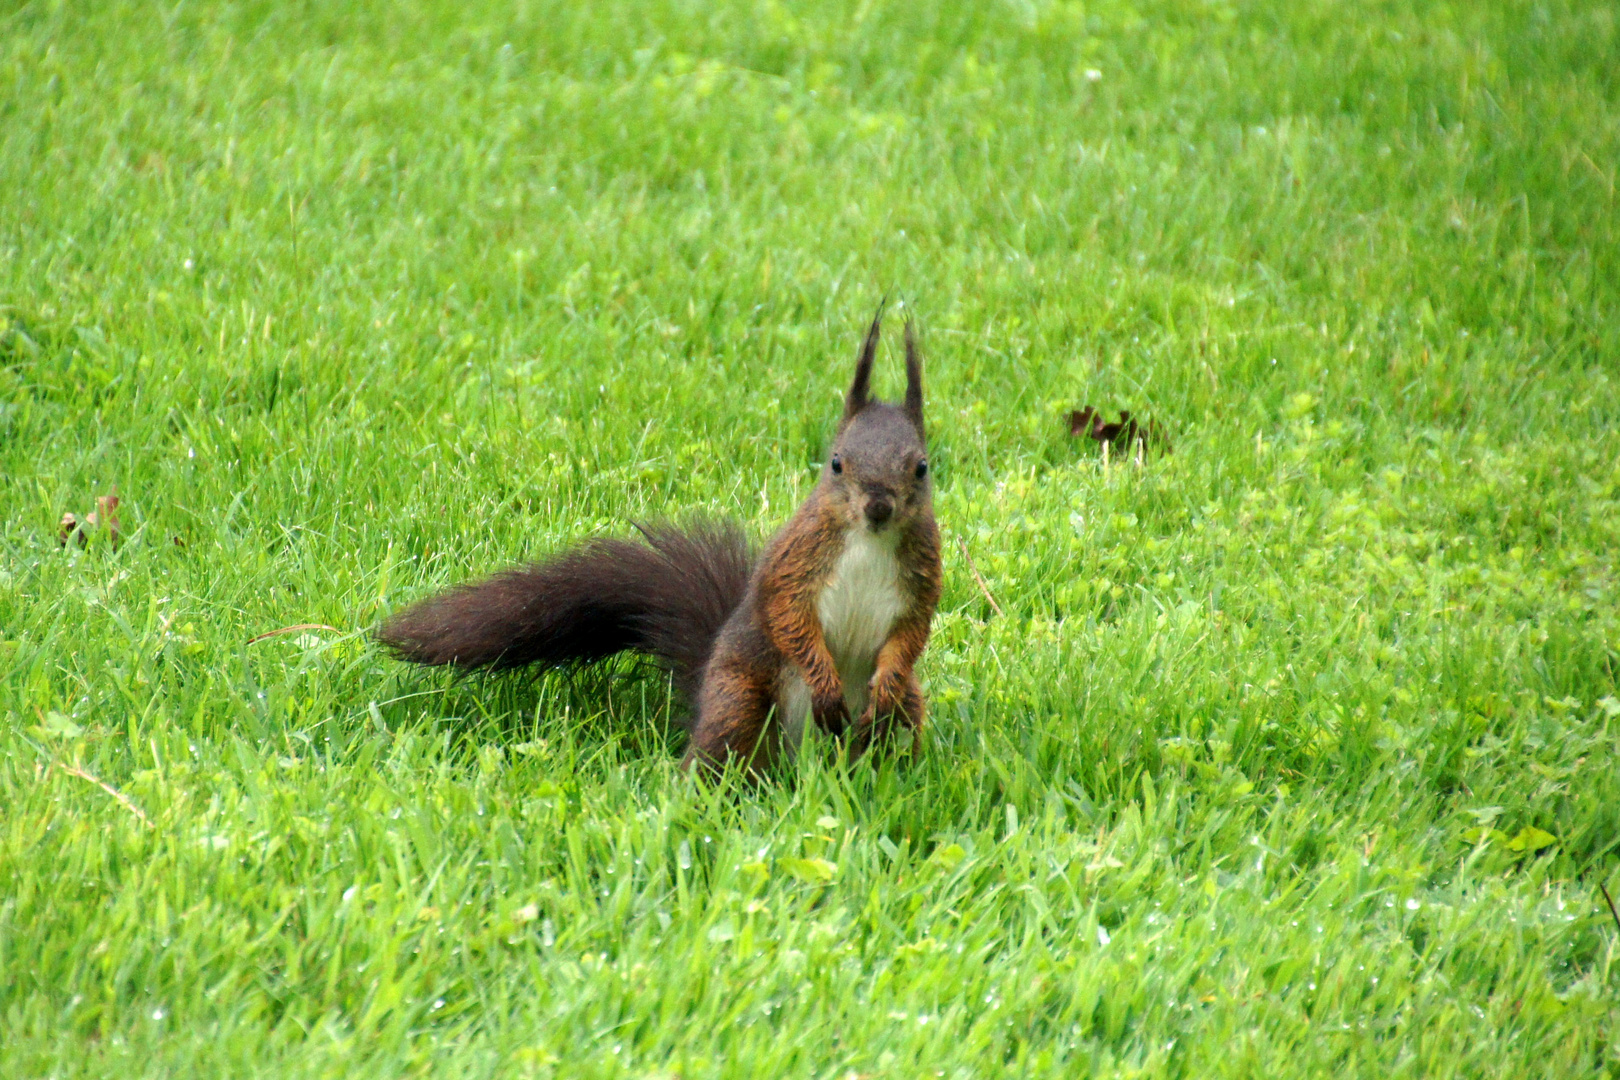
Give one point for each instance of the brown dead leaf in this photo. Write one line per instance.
(1127, 434)
(104, 516)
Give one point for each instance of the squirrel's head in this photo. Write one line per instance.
(877, 473)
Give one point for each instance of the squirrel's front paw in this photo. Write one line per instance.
(881, 733)
(883, 694)
(830, 714)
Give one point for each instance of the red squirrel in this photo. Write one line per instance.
(826, 624)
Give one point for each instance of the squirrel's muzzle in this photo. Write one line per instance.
(879, 509)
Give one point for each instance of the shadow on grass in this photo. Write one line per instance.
(625, 704)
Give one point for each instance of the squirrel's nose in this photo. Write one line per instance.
(879, 511)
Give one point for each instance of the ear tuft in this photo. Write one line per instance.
(860, 389)
(914, 390)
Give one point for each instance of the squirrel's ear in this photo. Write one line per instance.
(914, 393)
(859, 390)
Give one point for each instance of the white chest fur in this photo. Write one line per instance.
(860, 602)
(857, 608)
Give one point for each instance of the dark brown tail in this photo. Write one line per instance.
(667, 597)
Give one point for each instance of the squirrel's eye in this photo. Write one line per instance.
(922, 468)
(837, 464)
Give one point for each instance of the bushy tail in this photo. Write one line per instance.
(667, 597)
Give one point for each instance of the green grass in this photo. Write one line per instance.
(352, 301)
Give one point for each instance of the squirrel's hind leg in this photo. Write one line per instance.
(733, 710)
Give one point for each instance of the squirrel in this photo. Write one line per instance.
(825, 625)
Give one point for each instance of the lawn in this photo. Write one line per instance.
(1291, 749)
